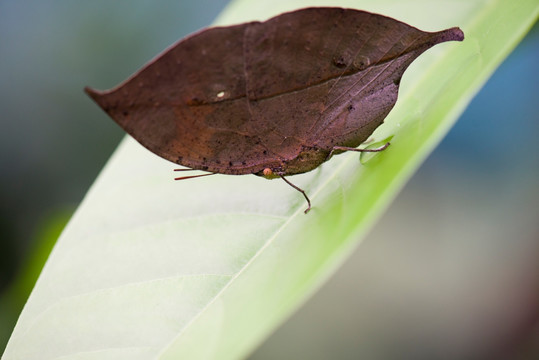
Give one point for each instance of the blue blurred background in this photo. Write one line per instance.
(451, 271)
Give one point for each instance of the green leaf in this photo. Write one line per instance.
(150, 268)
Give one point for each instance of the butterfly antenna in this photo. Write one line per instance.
(191, 176)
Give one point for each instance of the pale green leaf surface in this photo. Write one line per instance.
(151, 268)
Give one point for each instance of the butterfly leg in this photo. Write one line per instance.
(345, 148)
(300, 190)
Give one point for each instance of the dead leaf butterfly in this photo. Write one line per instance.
(272, 98)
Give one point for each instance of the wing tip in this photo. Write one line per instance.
(451, 34)
(93, 93)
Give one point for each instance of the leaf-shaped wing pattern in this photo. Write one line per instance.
(278, 94)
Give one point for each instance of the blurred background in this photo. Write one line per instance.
(451, 271)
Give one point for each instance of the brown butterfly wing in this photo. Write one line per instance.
(238, 99)
(322, 77)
